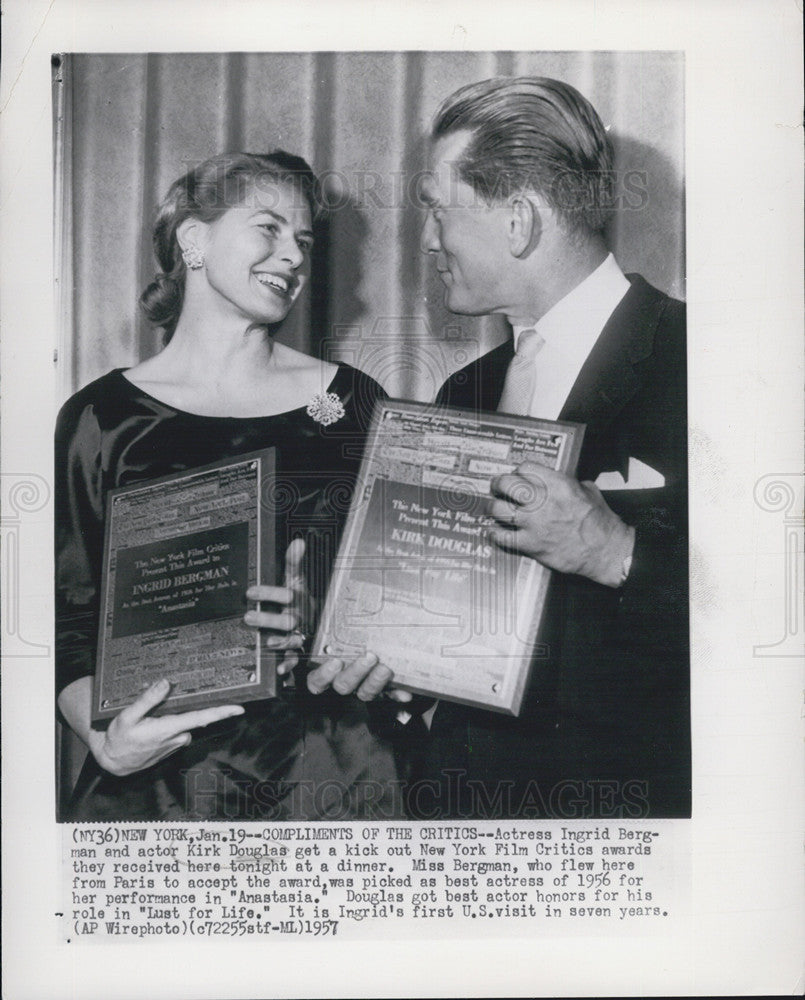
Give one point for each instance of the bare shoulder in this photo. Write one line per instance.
(305, 366)
(259, 385)
(161, 378)
(151, 373)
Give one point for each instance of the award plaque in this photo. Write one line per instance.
(179, 555)
(416, 580)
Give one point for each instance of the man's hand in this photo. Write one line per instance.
(561, 522)
(294, 614)
(364, 677)
(295, 611)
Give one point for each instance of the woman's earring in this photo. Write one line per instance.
(193, 257)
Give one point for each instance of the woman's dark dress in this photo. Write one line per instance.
(294, 757)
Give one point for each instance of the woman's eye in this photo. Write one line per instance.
(269, 227)
(305, 245)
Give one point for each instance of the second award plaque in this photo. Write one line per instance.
(416, 581)
(179, 554)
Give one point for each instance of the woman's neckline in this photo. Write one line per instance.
(121, 373)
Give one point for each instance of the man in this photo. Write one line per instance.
(518, 193)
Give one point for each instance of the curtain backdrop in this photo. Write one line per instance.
(128, 125)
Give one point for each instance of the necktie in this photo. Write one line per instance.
(518, 389)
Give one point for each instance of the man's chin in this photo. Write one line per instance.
(462, 305)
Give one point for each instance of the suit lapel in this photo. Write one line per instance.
(480, 384)
(495, 376)
(611, 376)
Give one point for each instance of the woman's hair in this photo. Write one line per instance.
(533, 133)
(205, 193)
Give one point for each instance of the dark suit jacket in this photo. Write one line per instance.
(605, 728)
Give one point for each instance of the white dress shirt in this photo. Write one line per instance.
(569, 330)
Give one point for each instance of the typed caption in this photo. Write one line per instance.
(354, 879)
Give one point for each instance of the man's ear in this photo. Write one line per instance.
(525, 225)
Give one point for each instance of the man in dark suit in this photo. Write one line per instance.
(518, 194)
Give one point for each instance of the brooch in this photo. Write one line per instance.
(325, 408)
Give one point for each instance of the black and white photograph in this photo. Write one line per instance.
(479, 198)
(402, 537)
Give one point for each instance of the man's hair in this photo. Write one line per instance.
(533, 134)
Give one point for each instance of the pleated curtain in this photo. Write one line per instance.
(127, 125)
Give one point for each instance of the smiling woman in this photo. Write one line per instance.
(254, 256)
(232, 239)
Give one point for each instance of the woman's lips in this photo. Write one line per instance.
(276, 282)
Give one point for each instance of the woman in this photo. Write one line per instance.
(233, 240)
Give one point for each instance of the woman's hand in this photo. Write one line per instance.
(135, 740)
(296, 609)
